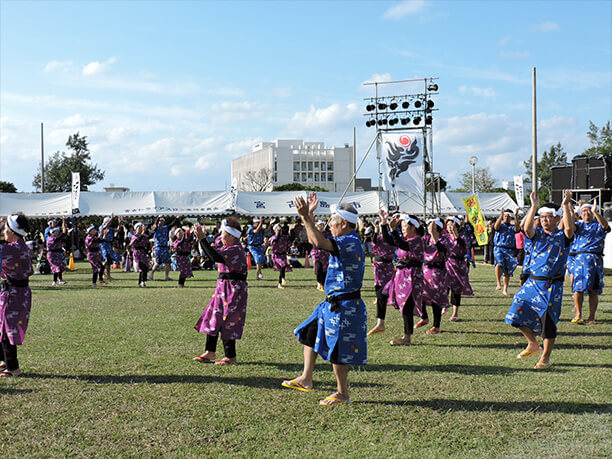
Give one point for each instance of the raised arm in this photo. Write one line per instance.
(499, 220)
(600, 218)
(517, 223)
(530, 217)
(569, 227)
(305, 210)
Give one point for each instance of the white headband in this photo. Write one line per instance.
(228, 229)
(14, 226)
(345, 214)
(320, 222)
(550, 210)
(457, 220)
(437, 221)
(277, 226)
(508, 212)
(137, 225)
(91, 227)
(409, 219)
(584, 206)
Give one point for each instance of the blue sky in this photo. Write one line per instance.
(169, 92)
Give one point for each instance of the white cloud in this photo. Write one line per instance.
(482, 92)
(378, 78)
(206, 161)
(227, 92)
(98, 68)
(243, 146)
(547, 27)
(504, 41)
(514, 54)
(76, 121)
(327, 117)
(405, 8)
(54, 66)
(282, 93)
(176, 170)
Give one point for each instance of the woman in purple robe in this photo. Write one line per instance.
(141, 248)
(405, 289)
(279, 243)
(320, 259)
(94, 256)
(435, 288)
(226, 311)
(182, 248)
(457, 268)
(384, 252)
(15, 296)
(55, 253)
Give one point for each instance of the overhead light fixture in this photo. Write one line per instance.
(417, 104)
(393, 105)
(416, 120)
(405, 121)
(382, 106)
(393, 121)
(428, 119)
(430, 103)
(432, 87)
(405, 104)
(370, 107)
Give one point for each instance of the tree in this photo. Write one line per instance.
(7, 187)
(483, 180)
(601, 140)
(554, 156)
(297, 187)
(58, 169)
(259, 180)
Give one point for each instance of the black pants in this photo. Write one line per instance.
(408, 316)
(229, 346)
(181, 280)
(321, 274)
(308, 337)
(437, 313)
(142, 276)
(381, 302)
(281, 276)
(57, 276)
(455, 299)
(8, 353)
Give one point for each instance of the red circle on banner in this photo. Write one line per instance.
(405, 140)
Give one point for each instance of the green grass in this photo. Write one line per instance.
(108, 372)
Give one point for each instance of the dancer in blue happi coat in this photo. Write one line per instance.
(107, 234)
(161, 240)
(505, 247)
(588, 270)
(336, 330)
(537, 305)
(255, 241)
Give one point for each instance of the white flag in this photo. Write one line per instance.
(518, 190)
(76, 192)
(402, 157)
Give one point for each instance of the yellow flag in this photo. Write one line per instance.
(472, 208)
(71, 263)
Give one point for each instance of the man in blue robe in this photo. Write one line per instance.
(255, 241)
(587, 268)
(505, 247)
(161, 239)
(537, 305)
(107, 231)
(336, 330)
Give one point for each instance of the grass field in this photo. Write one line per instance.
(108, 372)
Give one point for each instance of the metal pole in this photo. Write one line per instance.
(42, 160)
(360, 164)
(534, 155)
(354, 154)
(473, 181)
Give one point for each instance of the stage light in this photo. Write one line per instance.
(393, 106)
(417, 104)
(367, 123)
(432, 87)
(428, 119)
(370, 107)
(382, 106)
(416, 120)
(393, 121)
(405, 121)
(405, 105)
(382, 121)
(430, 104)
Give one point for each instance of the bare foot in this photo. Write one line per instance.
(505, 293)
(498, 287)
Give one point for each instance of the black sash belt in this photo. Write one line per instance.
(55, 250)
(599, 254)
(233, 276)
(404, 264)
(435, 265)
(280, 254)
(457, 257)
(334, 301)
(183, 253)
(383, 260)
(549, 280)
(6, 283)
(140, 248)
(504, 247)
(93, 250)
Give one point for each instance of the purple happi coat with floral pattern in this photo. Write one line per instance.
(457, 269)
(55, 253)
(141, 245)
(94, 256)
(226, 311)
(15, 302)
(182, 248)
(280, 245)
(383, 260)
(407, 281)
(435, 288)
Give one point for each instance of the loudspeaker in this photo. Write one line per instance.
(561, 177)
(580, 165)
(592, 172)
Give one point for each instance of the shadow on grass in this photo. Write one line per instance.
(247, 381)
(445, 405)
(514, 346)
(9, 390)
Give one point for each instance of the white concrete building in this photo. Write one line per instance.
(289, 161)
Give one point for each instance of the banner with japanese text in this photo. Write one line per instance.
(518, 190)
(472, 208)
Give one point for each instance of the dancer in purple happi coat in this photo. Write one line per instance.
(141, 247)
(457, 268)
(226, 311)
(94, 256)
(435, 288)
(383, 272)
(15, 296)
(320, 259)
(55, 252)
(405, 289)
(182, 248)
(279, 243)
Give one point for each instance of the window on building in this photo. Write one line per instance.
(310, 166)
(330, 166)
(275, 166)
(310, 176)
(316, 176)
(275, 178)
(317, 166)
(304, 166)
(296, 166)
(323, 166)
(330, 177)
(303, 176)
(296, 177)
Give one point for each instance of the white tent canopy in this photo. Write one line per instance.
(451, 203)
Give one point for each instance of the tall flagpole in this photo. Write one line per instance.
(534, 154)
(42, 160)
